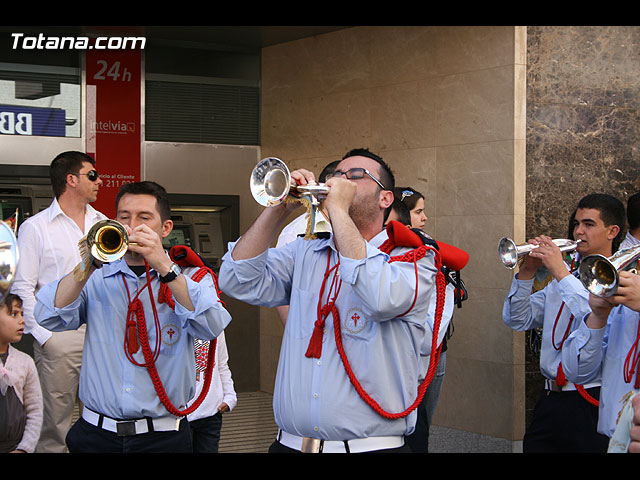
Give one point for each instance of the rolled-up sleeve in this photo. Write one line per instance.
(522, 310)
(209, 318)
(583, 352)
(263, 280)
(58, 319)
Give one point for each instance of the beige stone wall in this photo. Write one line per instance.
(445, 107)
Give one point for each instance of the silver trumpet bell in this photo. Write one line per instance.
(271, 184)
(107, 240)
(599, 274)
(509, 252)
(8, 259)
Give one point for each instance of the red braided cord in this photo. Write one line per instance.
(586, 396)
(566, 333)
(434, 358)
(150, 357)
(631, 361)
(136, 311)
(560, 378)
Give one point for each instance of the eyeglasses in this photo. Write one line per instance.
(92, 175)
(405, 194)
(356, 174)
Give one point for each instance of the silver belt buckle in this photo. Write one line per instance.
(124, 429)
(311, 445)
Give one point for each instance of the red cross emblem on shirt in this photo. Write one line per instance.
(355, 320)
(170, 334)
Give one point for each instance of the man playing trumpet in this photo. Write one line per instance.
(606, 344)
(565, 416)
(141, 313)
(343, 292)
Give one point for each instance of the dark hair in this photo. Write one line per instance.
(9, 300)
(611, 210)
(409, 200)
(327, 170)
(64, 164)
(386, 175)
(148, 188)
(633, 211)
(403, 212)
(572, 221)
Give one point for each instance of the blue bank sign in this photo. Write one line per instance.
(18, 120)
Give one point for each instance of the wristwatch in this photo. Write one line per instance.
(174, 271)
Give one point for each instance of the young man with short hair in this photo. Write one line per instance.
(563, 420)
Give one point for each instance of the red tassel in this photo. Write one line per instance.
(132, 337)
(561, 380)
(164, 295)
(314, 350)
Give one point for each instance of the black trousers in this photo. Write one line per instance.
(86, 438)
(564, 422)
(205, 433)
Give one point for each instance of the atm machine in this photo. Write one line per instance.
(205, 223)
(25, 188)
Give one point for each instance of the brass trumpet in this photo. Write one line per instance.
(271, 184)
(107, 240)
(509, 252)
(599, 274)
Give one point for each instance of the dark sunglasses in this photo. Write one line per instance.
(92, 175)
(356, 174)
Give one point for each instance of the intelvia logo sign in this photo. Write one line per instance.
(18, 120)
(113, 126)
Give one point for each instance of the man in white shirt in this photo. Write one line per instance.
(206, 421)
(49, 241)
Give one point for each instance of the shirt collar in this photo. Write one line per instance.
(321, 244)
(120, 266)
(56, 210)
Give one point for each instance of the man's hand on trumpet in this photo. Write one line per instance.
(547, 254)
(144, 241)
(628, 292)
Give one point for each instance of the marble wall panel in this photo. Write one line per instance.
(583, 119)
(583, 125)
(476, 106)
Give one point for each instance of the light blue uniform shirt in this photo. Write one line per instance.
(525, 311)
(593, 353)
(109, 383)
(313, 397)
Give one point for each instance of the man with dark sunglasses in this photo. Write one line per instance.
(50, 242)
(349, 305)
